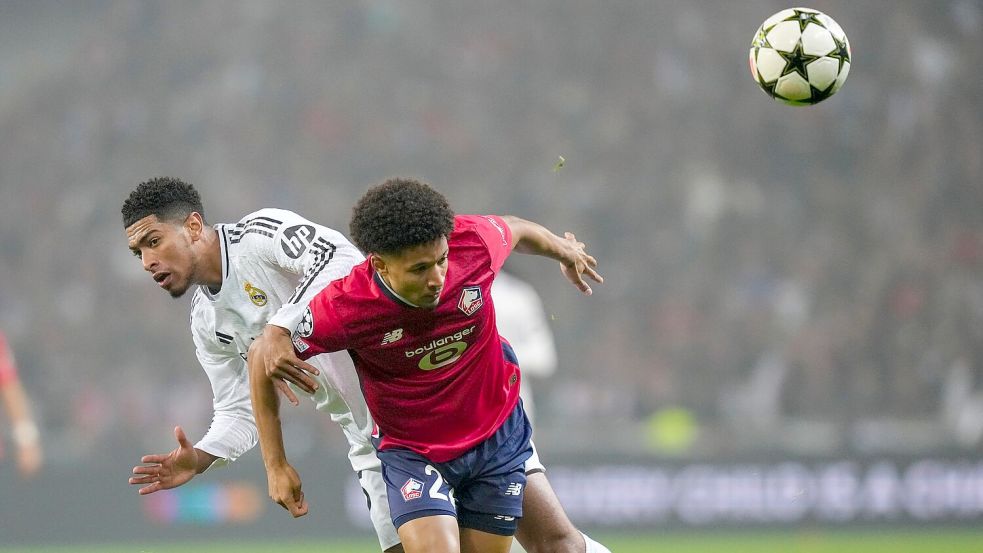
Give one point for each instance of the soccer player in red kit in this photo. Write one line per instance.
(418, 320)
(15, 400)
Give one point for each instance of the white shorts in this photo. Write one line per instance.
(375, 493)
(533, 464)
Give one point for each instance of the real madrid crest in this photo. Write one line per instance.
(257, 296)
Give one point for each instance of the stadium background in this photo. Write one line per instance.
(790, 336)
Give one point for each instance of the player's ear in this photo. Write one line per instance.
(379, 264)
(194, 225)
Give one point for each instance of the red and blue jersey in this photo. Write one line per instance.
(438, 381)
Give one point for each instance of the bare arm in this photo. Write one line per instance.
(282, 480)
(533, 238)
(26, 435)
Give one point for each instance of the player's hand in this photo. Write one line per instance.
(275, 350)
(169, 470)
(577, 262)
(285, 489)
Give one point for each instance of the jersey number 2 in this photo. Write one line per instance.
(435, 492)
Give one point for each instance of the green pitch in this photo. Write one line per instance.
(935, 541)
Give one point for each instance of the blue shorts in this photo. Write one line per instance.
(483, 488)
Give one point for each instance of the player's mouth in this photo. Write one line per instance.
(162, 279)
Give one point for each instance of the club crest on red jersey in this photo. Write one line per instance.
(470, 300)
(412, 489)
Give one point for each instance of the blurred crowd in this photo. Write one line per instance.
(806, 280)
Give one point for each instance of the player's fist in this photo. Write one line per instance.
(285, 489)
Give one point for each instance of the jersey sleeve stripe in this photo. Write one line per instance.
(255, 223)
(324, 255)
(252, 230)
(270, 219)
(252, 225)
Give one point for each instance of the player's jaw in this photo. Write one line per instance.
(417, 274)
(164, 253)
(176, 284)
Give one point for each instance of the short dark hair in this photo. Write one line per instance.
(398, 214)
(168, 198)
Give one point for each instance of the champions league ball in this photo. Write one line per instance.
(800, 56)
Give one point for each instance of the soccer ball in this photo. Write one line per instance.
(800, 56)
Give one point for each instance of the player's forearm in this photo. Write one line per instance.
(205, 460)
(18, 411)
(533, 238)
(266, 410)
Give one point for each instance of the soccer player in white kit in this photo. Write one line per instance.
(262, 271)
(521, 319)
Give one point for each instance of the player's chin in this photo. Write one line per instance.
(176, 291)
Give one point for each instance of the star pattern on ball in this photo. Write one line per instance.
(769, 88)
(842, 52)
(796, 60)
(790, 71)
(805, 18)
(760, 40)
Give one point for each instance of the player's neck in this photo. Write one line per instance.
(385, 282)
(211, 260)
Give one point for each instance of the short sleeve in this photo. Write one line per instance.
(496, 235)
(319, 330)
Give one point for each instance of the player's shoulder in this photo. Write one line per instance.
(286, 222)
(477, 223)
(263, 224)
(273, 217)
(352, 289)
(469, 221)
(483, 228)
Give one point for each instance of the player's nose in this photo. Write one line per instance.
(149, 262)
(435, 280)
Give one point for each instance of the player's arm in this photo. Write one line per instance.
(25, 431)
(283, 481)
(317, 255)
(575, 262)
(163, 471)
(231, 433)
(320, 331)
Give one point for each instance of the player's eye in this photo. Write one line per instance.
(153, 241)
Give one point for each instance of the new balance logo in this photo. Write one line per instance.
(392, 336)
(514, 488)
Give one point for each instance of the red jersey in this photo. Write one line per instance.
(436, 380)
(8, 371)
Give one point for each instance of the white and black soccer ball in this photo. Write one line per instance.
(800, 56)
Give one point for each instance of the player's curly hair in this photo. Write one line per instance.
(398, 214)
(168, 198)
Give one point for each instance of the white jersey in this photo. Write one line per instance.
(273, 262)
(521, 319)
